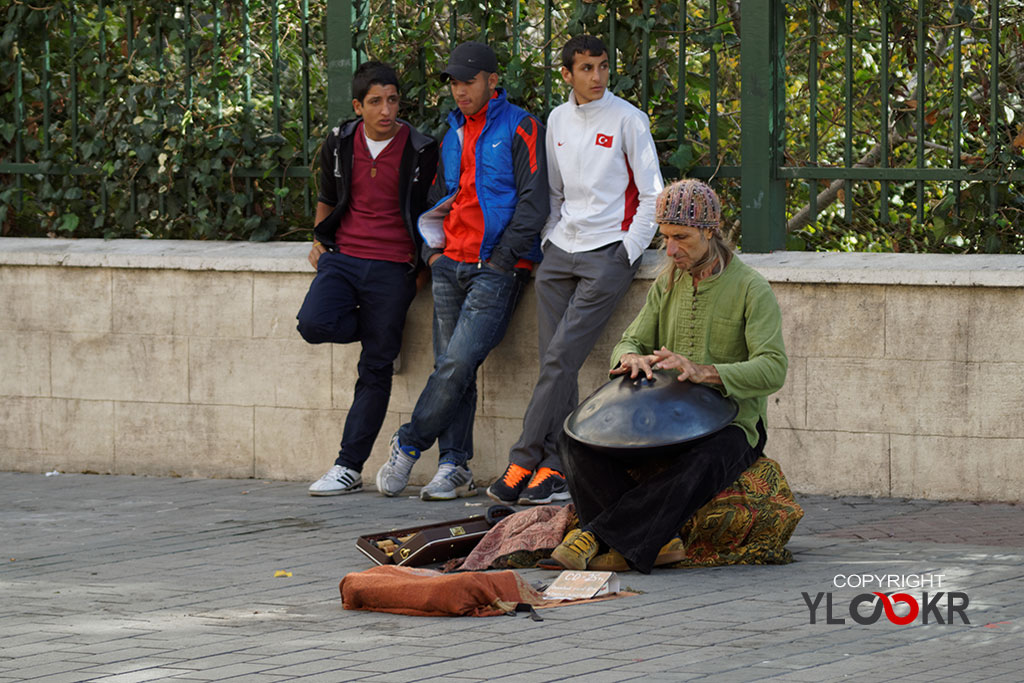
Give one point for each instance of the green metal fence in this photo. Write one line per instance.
(201, 119)
(944, 113)
(139, 117)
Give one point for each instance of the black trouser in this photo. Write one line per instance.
(637, 504)
(355, 299)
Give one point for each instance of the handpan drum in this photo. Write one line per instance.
(641, 416)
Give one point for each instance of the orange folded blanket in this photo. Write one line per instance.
(428, 593)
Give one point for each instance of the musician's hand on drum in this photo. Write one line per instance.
(688, 370)
(634, 363)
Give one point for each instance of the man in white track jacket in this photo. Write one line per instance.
(604, 178)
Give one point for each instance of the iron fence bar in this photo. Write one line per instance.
(188, 53)
(247, 106)
(357, 23)
(104, 192)
(26, 168)
(247, 53)
(645, 49)
(902, 174)
(279, 172)
(612, 49)
(515, 36)
(339, 46)
(133, 189)
(883, 160)
(777, 126)
(421, 61)
(812, 84)
(957, 86)
(187, 126)
(19, 126)
(709, 172)
(713, 77)
(515, 28)
(547, 57)
(276, 84)
(681, 78)
(219, 111)
(161, 118)
(453, 31)
(72, 44)
(993, 117)
(848, 113)
(275, 58)
(307, 123)
(919, 118)
(216, 61)
(762, 117)
(47, 101)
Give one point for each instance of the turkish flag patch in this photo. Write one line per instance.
(603, 140)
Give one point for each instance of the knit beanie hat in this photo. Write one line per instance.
(689, 202)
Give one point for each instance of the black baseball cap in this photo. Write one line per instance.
(468, 59)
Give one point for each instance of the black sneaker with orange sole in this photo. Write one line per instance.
(547, 486)
(510, 485)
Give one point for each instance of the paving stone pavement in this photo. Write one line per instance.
(141, 579)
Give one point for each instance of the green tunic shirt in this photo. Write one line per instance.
(731, 321)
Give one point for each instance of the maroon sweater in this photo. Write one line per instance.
(372, 227)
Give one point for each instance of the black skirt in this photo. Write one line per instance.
(637, 503)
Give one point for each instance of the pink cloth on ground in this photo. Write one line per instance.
(538, 528)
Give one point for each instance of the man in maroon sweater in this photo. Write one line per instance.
(375, 172)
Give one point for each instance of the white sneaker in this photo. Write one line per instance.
(451, 481)
(393, 476)
(338, 480)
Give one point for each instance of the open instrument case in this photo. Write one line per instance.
(430, 543)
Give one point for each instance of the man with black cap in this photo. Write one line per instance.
(489, 202)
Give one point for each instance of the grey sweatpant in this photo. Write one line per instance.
(576, 295)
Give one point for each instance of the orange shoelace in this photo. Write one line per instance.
(542, 474)
(515, 474)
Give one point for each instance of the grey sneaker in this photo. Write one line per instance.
(393, 476)
(451, 481)
(338, 480)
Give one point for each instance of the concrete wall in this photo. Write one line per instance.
(181, 358)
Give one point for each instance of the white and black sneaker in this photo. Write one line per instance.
(451, 481)
(338, 480)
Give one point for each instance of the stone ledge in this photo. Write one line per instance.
(935, 270)
(950, 270)
(265, 257)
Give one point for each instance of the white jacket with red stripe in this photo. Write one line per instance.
(604, 176)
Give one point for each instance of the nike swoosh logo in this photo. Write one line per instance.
(560, 144)
(495, 144)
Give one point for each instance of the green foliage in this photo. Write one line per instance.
(936, 216)
(151, 123)
(148, 123)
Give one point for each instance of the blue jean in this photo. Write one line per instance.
(355, 299)
(473, 304)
